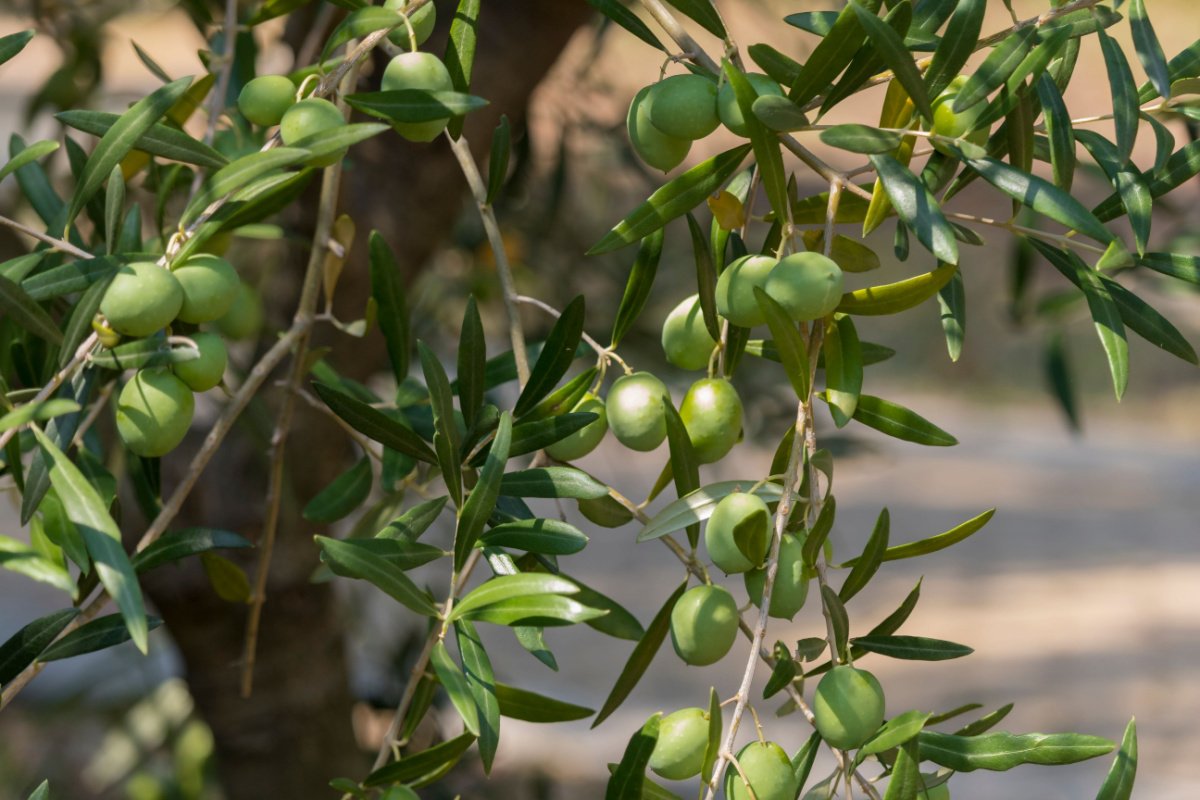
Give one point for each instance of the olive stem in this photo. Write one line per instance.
(363, 442)
(479, 189)
(728, 755)
(603, 352)
(1023, 231)
(55, 244)
(217, 99)
(63, 374)
(94, 413)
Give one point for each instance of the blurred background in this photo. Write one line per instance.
(1079, 598)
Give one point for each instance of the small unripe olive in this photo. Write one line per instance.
(418, 71)
(848, 706)
(791, 581)
(652, 145)
(245, 318)
(768, 770)
(154, 412)
(808, 285)
(399, 792)
(948, 123)
(685, 339)
(712, 414)
(704, 624)
(635, 411)
(143, 298)
(736, 535)
(265, 99)
(210, 286)
(584, 440)
(423, 20)
(727, 104)
(683, 106)
(735, 290)
(311, 116)
(205, 372)
(682, 738)
(939, 792)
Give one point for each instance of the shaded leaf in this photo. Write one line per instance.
(99, 634)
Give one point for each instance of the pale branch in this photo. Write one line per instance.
(554, 312)
(363, 442)
(55, 244)
(93, 414)
(1021, 230)
(56, 380)
(216, 101)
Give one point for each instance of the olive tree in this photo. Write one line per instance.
(124, 311)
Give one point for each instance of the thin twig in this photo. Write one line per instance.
(94, 413)
(55, 244)
(56, 380)
(216, 101)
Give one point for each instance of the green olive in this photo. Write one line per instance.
(311, 116)
(217, 244)
(265, 99)
(142, 299)
(736, 535)
(682, 738)
(955, 126)
(245, 318)
(849, 707)
(205, 372)
(399, 792)
(807, 285)
(422, 20)
(685, 339)
(712, 414)
(727, 104)
(735, 290)
(704, 624)
(210, 287)
(768, 770)
(584, 440)
(418, 71)
(791, 581)
(652, 145)
(683, 106)
(154, 412)
(939, 792)
(635, 411)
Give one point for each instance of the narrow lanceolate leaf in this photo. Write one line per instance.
(447, 442)
(917, 207)
(17, 305)
(869, 60)
(685, 467)
(27, 156)
(482, 500)
(793, 354)
(503, 588)
(532, 707)
(100, 535)
(891, 47)
(819, 531)
(831, 55)
(703, 12)
(20, 650)
(336, 140)
(377, 570)
(456, 686)
(699, 505)
(529, 437)
(843, 361)
(25, 560)
(892, 298)
(119, 140)
(912, 648)
(559, 482)
(472, 363)
(906, 782)
(498, 162)
(868, 563)
(716, 726)
(1118, 785)
(1128, 180)
(374, 424)
(836, 611)
(780, 113)
(897, 421)
(175, 545)
(358, 24)
(159, 140)
(1149, 51)
(673, 200)
(855, 138)
(1037, 193)
(558, 353)
(953, 303)
(627, 780)
(637, 288)
(1059, 131)
(641, 657)
(1109, 326)
(387, 288)
(14, 43)
(114, 208)
(238, 174)
(706, 278)
(1003, 751)
(413, 768)
(414, 105)
(1182, 166)
(956, 45)
(933, 543)
(340, 498)
(460, 52)
(782, 69)
(99, 634)
(1152, 326)
(995, 69)
(1124, 93)
(897, 731)
(541, 610)
(546, 536)
(1176, 265)
(767, 153)
(616, 11)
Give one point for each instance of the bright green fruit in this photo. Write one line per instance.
(947, 123)
(727, 104)
(807, 285)
(685, 340)
(210, 287)
(584, 440)
(652, 145)
(736, 535)
(939, 792)
(735, 290)
(143, 298)
(418, 71)
(682, 738)
(791, 581)
(154, 412)
(712, 414)
(245, 319)
(848, 706)
(683, 106)
(311, 116)
(704, 625)
(265, 99)
(769, 771)
(206, 371)
(422, 21)
(635, 411)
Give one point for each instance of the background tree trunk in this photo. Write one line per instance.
(294, 734)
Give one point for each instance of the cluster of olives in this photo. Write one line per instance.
(271, 100)
(664, 119)
(154, 409)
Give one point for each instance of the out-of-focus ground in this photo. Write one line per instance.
(1079, 598)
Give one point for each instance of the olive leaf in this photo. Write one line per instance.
(1003, 750)
(637, 288)
(20, 649)
(420, 768)
(99, 634)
